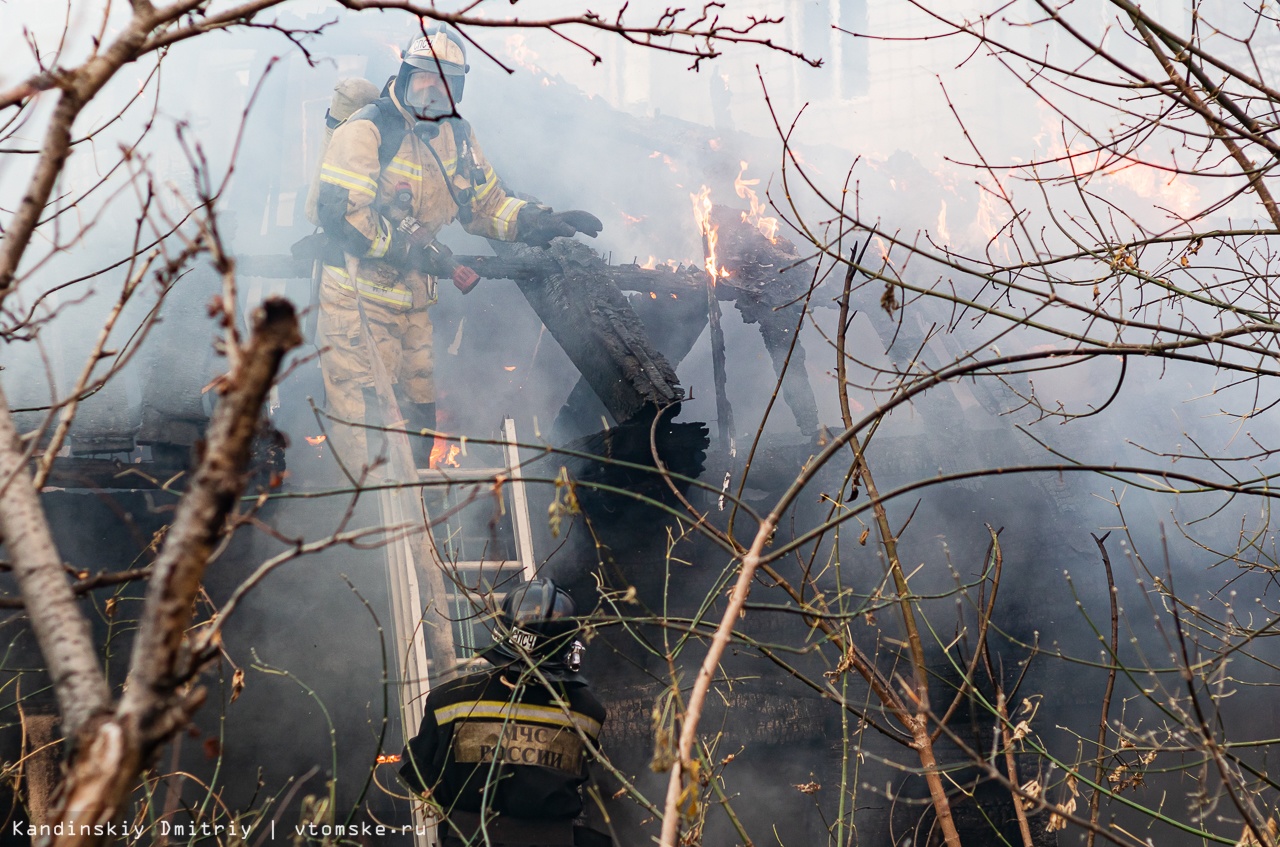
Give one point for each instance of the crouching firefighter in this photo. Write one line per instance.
(394, 173)
(503, 753)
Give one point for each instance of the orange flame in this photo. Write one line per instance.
(768, 226)
(388, 758)
(666, 160)
(316, 440)
(652, 263)
(443, 454)
(631, 219)
(709, 232)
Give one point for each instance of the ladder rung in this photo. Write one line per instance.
(462, 474)
(497, 565)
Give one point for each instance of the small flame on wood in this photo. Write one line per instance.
(768, 226)
(443, 454)
(652, 263)
(666, 160)
(708, 231)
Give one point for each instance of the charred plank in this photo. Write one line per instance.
(768, 280)
(582, 308)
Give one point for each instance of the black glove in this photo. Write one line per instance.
(433, 258)
(410, 245)
(537, 225)
(307, 250)
(437, 259)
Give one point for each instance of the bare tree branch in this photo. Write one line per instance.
(60, 629)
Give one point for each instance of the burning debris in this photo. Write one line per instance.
(767, 279)
(444, 453)
(572, 290)
(710, 237)
(755, 216)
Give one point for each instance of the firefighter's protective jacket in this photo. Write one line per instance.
(496, 742)
(437, 174)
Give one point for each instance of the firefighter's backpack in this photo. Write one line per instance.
(349, 96)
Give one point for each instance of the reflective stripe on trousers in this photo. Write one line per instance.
(397, 297)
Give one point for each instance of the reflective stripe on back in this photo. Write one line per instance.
(506, 711)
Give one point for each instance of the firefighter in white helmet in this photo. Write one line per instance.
(394, 174)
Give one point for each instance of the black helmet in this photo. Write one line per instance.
(536, 619)
(441, 52)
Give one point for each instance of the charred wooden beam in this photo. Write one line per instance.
(762, 718)
(529, 263)
(166, 469)
(768, 281)
(674, 324)
(622, 458)
(108, 474)
(583, 309)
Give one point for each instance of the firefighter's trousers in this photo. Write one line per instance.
(402, 341)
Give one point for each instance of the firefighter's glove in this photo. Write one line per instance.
(437, 259)
(307, 250)
(410, 245)
(433, 258)
(537, 225)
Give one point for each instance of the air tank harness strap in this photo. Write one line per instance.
(461, 136)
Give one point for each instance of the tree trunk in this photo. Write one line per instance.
(61, 630)
(110, 751)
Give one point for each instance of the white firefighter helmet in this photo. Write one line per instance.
(441, 53)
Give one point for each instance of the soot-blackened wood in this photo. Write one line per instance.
(674, 319)
(775, 719)
(662, 282)
(768, 281)
(585, 312)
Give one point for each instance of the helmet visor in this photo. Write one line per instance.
(428, 94)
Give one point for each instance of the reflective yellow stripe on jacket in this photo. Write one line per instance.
(382, 241)
(504, 220)
(394, 296)
(405, 168)
(506, 711)
(349, 180)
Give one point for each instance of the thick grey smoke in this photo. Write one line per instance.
(630, 141)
